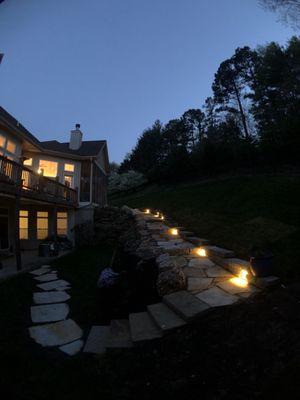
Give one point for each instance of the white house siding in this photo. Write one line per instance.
(18, 152)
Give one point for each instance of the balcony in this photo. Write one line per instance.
(17, 179)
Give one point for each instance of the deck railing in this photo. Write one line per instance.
(35, 185)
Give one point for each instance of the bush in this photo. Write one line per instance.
(126, 181)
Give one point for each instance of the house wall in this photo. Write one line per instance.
(3, 151)
(32, 242)
(36, 157)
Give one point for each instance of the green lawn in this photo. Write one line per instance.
(236, 213)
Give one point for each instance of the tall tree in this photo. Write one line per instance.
(193, 120)
(232, 84)
(288, 10)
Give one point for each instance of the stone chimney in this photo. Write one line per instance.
(75, 138)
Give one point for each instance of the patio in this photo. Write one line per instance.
(30, 259)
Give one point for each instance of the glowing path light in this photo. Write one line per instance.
(174, 231)
(147, 211)
(240, 280)
(201, 252)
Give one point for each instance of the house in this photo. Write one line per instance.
(46, 188)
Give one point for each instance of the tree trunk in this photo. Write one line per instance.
(241, 111)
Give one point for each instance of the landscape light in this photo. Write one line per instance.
(241, 280)
(162, 217)
(147, 211)
(157, 215)
(201, 252)
(174, 231)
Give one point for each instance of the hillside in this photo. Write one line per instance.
(236, 213)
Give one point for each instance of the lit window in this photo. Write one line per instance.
(23, 224)
(62, 223)
(28, 162)
(42, 224)
(49, 168)
(69, 167)
(69, 180)
(11, 146)
(2, 141)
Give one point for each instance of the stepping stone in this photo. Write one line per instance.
(216, 272)
(164, 317)
(40, 271)
(142, 327)
(60, 284)
(232, 288)
(194, 272)
(72, 348)
(49, 312)
(235, 265)
(198, 241)
(219, 252)
(50, 297)
(198, 284)
(46, 277)
(185, 304)
(119, 336)
(201, 262)
(56, 333)
(215, 297)
(97, 340)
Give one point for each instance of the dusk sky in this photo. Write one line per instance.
(115, 66)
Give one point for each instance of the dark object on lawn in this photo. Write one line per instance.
(44, 250)
(261, 263)
(62, 240)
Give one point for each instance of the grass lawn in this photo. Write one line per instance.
(236, 213)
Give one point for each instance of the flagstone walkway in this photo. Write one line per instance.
(50, 311)
(211, 283)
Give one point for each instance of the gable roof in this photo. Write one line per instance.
(18, 127)
(88, 148)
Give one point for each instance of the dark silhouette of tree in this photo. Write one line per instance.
(232, 84)
(288, 10)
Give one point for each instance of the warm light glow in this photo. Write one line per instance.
(174, 231)
(49, 168)
(162, 217)
(147, 211)
(157, 215)
(241, 280)
(39, 171)
(201, 252)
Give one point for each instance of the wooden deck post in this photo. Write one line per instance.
(17, 216)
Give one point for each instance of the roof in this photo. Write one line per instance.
(88, 148)
(19, 127)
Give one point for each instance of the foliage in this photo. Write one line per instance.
(251, 119)
(127, 180)
(288, 10)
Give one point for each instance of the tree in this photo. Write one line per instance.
(193, 121)
(233, 82)
(288, 10)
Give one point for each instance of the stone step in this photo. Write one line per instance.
(179, 249)
(198, 284)
(40, 271)
(97, 340)
(198, 241)
(49, 312)
(56, 333)
(234, 265)
(187, 233)
(50, 297)
(72, 348)
(186, 305)
(164, 317)
(216, 297)
(52, 276)
(119, 336)
(59, 284)
(218, 252)
(142, 327)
